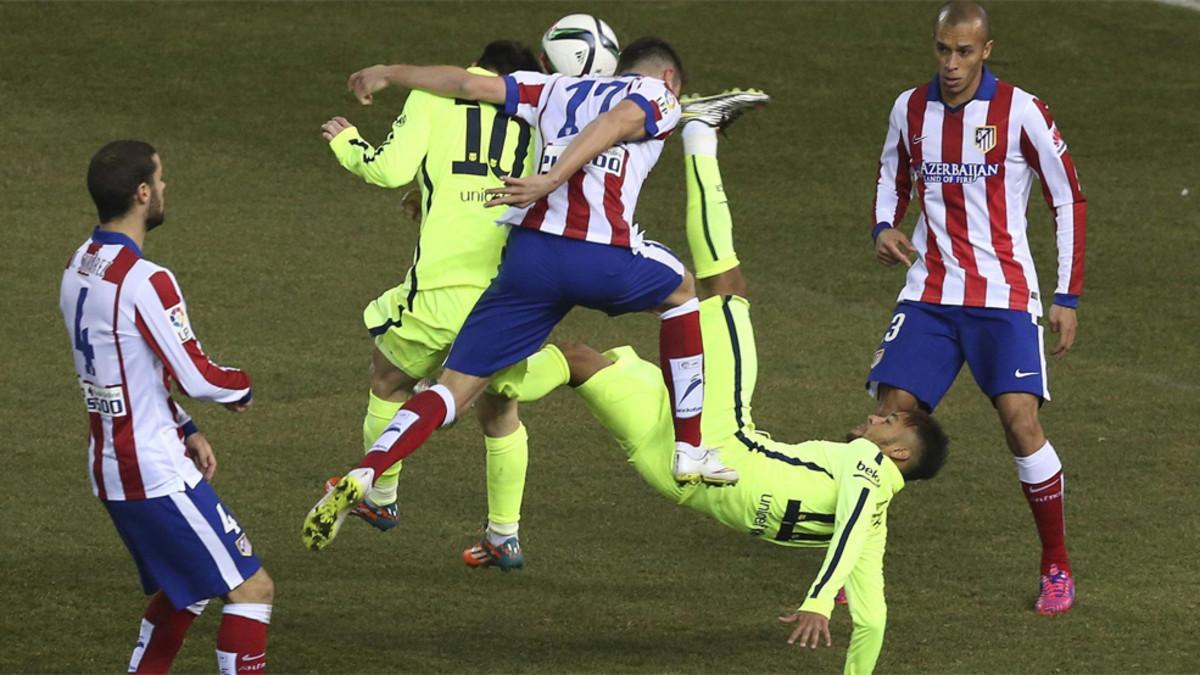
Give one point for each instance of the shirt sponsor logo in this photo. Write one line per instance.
(868, 473)
(107, 401)
(957, 172)
(177, 315)
(985, 137)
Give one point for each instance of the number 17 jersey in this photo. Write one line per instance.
(597, 203)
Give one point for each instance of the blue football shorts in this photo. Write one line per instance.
(926, 345)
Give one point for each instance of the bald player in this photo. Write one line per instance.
(971, 145)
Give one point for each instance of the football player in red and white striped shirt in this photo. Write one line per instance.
(970, 146)
(574, 243)
(149, 465)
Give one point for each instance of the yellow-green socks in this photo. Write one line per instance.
(709, 223)
(379, 415)
(507, 459)
(533, 378)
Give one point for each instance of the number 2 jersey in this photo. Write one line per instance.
(131, 338)
(597, 203)
(455, 149)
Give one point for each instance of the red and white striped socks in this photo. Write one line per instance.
(242, 638)
(163, 631)
(681, 356)
(412, 425)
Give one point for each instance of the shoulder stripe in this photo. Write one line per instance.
(165, 289)
(120, 266)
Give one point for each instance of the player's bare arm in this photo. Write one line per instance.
(448, 81)
(625, 122)
(201, 453)
(892, 246)
(810, 628)
(1064, 322)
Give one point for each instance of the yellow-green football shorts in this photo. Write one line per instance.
(415, 330)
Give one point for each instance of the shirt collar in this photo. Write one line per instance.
(985, 92)
(106, 237)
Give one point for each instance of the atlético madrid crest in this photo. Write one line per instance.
(985, 138)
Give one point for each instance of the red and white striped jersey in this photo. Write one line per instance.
(597, 203)
(973, 167)
(130, 334)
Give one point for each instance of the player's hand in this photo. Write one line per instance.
(333, 127)
(366, 82)
(1064, 322)
(892, 246)
(521, 192)
(201, 453)
(238, 407)
(810, 628)
(410, 204)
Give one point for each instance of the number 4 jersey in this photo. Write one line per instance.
(597, 203)
(130, 334)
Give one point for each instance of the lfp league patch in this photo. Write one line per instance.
(177, 315)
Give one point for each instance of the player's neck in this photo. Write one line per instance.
(132, 226)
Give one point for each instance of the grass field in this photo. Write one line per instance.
(278, 249)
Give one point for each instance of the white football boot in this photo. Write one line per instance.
(720, 110)
(701, 464)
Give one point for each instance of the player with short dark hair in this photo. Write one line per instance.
(970, 145)
(149, 464)
(455, 149)
(816, 494)
(573, 243)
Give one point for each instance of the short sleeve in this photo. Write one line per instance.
(660, 105)
(524, 94)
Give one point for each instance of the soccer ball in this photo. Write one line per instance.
(581, 44)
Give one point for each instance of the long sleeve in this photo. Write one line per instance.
(868, 606)
(163, 321)
(1046, 152)
(893, 189)
(395, 162)
(858, 480)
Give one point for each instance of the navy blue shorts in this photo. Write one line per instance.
(544, 276)
(186, 544)
(925, 346)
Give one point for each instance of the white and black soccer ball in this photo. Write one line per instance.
(581, 44)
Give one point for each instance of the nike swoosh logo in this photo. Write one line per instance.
(917, 140)
(1018, 374)
(247, 657)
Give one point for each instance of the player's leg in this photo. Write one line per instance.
(1006, 353)
(917, 360)
(245, 619)
(510, 322)
(507, 445)
(162, 634)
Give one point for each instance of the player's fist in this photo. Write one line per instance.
(366, 82)
(892, 246)
(334, 126)
(810, 628)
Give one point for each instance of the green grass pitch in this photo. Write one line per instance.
(278, 250)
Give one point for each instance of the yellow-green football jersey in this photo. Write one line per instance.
(455, 150)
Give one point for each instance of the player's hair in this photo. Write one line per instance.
(934, 446)
(958, 12)
(507, 56)
(647, 49)
(114, 175)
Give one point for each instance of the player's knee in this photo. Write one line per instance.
(388, 381)
(259, 588)
(582, 361)
(1025, 428)
(731, 282)
(497, 415)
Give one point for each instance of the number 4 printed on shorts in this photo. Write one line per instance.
(227, 521)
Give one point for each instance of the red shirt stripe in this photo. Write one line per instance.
(997, 198)
(975, 292)
(614, 208)
(122, 427)
(578, 211)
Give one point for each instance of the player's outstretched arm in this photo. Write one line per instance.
(448, 81)
(625, 122)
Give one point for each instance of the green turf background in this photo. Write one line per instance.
(278, 249)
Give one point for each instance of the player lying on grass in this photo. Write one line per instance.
(816, 494)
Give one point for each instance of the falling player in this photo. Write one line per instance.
(812, 495)
(572, 230)
(974, 143)
(149, 465)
